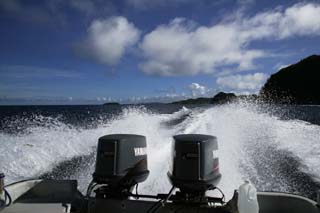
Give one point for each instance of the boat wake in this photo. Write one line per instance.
(275, 154)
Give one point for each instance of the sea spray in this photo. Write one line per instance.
(253, 144)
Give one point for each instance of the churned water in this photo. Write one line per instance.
(277, 148)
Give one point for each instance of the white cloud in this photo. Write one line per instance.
(108, 39)
(34, 72)
(197, 89)
(300, 19)
(251, 82)
(280, 66)
(181, 48)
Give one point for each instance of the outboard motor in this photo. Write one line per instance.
(121, 162)
(195, 165)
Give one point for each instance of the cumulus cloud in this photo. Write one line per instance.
(108, 39)
(251, 82)
(181, 48)
(300, 19)
(197, 89)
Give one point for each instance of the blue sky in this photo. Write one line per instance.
(94, 51)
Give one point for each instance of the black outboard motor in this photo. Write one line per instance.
(195, 165)
(121, 161)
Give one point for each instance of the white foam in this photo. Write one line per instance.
(302, 139)
(240, 129)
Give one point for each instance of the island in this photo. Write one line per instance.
(201, 100)
(296, 84)
(223, 98)
(111, 104)
(220, 98)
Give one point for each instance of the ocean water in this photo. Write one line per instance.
(276, 147)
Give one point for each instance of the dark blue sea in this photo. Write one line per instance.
(276, 147)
